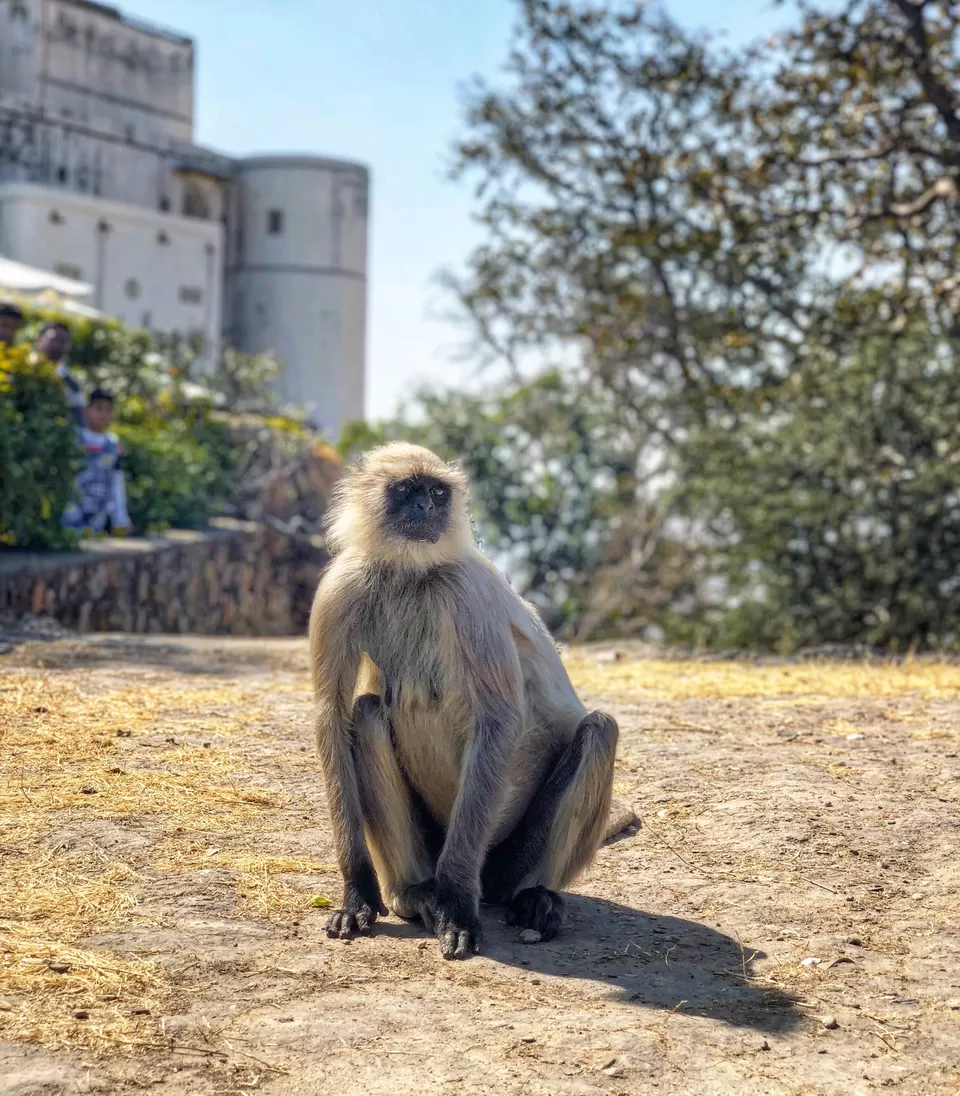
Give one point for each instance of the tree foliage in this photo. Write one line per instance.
(834, 515)
(727, 243)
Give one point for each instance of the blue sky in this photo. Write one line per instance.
(376, 81)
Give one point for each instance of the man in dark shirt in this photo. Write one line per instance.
(10, 319)
(54, 343)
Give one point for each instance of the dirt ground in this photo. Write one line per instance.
(785, 920)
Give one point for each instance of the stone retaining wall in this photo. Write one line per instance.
(238, 578)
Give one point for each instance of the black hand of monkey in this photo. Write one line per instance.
(450, 913)
(361, 905)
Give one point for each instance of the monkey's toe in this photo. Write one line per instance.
(339, 924)
(539, 909)
(456, 944)
(344, 923)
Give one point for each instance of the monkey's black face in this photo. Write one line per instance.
(418, 508)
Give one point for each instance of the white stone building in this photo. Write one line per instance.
(100, 180)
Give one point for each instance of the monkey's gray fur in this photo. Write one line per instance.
(458, 761)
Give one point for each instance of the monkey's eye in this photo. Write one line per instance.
(401, 489)
(439, 493)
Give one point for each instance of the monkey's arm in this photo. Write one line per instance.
(336, 661)
(493, 668)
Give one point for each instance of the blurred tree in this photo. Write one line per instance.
(834, 510)
(681, 219)
(695, 230)
(859, 132)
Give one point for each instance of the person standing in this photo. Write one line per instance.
(101, 491)
(53, 343)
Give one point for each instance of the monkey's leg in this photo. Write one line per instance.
(560, 833)
(397, 829)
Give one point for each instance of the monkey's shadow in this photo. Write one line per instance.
(647, 960)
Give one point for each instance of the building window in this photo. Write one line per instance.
(275, 222)
(61, 175)
(132, 288)
(68, 270)
(164, 205)
(195, 202)
(190, 294)
(56, 217)
(162, 238)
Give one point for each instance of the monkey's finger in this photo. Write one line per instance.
(333, 924)
(449, 941)
(383, 909)
(365, 920)
(348, 925)
(467, 944)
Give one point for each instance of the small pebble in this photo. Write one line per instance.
(87, 790)
(855, 940)
(764, 1045)
(123, 734)
(530, 936)
(829, 1022)
(854, 737)
(954, 1004)
(81, 1014)
(528, 1039)
(916, 897)
(59, 968)
(811, 962)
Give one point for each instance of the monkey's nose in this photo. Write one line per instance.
(425, 504)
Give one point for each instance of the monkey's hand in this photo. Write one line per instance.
(361, 905)
(451, 914)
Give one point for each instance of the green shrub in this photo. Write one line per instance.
(184, 455)
(174, 479)
(831, 509)
(38, 453)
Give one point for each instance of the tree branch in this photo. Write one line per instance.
(936, 91)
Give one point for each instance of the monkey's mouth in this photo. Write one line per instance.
(425, 531)
(420, 534)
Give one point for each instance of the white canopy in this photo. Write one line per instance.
(28, 279)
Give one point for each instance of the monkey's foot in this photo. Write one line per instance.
(358, 914)
(537, 908)
(417, 902)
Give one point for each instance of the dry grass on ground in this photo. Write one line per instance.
(163, 846)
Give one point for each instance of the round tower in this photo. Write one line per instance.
(297, 277)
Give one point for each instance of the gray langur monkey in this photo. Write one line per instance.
(459, 763)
